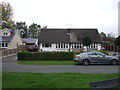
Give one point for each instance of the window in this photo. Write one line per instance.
(94, 45)
(43, 45)
(59, 45)
(80, 45)
(56, 45)
(46, 45)
(5, 33)
(64, 45)
(72, 45)
(77, 45)
(100, 54)
(4, 45)
(93, 53)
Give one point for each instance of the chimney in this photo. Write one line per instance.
(12, 28)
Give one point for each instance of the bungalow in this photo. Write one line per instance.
(10, 39)
(67, 39)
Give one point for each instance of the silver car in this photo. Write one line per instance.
(95, 57)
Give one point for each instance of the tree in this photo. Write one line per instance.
(117, 41)
(87, 41)
(107, 39)
(23, 29)
(103, 36)
(34, 30)
(7, 14)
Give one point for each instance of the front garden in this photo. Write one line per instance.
(51, 80)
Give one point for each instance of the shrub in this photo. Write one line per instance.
(103, 52)
(75, 53)
(46, 56)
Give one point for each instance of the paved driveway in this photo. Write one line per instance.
(9, 65)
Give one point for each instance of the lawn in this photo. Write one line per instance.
(47, 62)
(0, 79)
(51, 80)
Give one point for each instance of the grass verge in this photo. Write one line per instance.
(51, 80)
(47, 62)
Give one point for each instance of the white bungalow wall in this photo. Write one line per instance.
(73, 46)
(53, 48)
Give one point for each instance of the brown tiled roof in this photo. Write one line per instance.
(68, 35)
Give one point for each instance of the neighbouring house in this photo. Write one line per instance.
(30, 41)
(67, 39)
(10, 38)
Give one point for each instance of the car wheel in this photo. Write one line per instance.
(85, 62)
(114, 62)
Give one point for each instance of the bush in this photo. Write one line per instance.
(46, 56)
(75, 53)
(103, 52)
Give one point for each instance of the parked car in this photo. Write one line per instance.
(118, 56)
(95, 57)
(32, 48)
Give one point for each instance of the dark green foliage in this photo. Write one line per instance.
(45, 56)
(117, 41)
(34, 30)
(87, 41)
(103, 52)
(23, 29)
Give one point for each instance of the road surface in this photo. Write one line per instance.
(9, 65)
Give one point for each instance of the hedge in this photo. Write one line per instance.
(45, 56)
(103, 52)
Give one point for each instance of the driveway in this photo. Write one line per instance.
(9, 65)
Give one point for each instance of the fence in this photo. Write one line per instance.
(6, 52)
(112, 48)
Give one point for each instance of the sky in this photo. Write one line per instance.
(100, 14)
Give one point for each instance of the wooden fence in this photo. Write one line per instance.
(6, 52)
(112, 48)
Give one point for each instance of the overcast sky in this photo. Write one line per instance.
(100, 14)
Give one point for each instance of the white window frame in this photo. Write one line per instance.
(5, 34)
(4, 45)
(46, 45)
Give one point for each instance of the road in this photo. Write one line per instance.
(9, 65)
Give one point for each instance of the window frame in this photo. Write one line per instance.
(4, 45)
(46, 45)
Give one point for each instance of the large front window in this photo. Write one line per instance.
(76, 45)
(61, 45)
